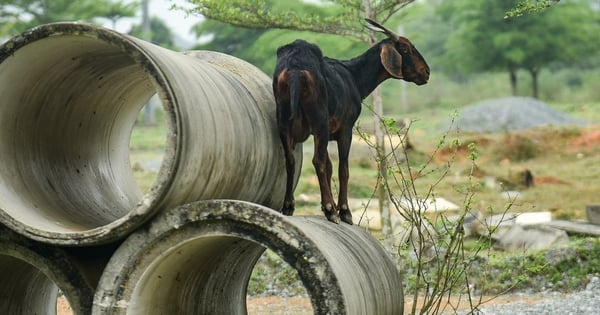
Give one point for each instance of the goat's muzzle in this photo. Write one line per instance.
(423, 78)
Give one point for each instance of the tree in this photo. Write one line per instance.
(226, 38)
(118, 10)
(485, 40)
(160, 34)
(258, 46)
(17, 16)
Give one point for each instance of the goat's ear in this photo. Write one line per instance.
(391, 60)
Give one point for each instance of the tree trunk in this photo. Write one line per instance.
(382, 195)
(384, 202)
(534, 82)
(513, 81)
(149, 118)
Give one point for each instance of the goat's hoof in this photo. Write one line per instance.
(331, 213)
(346, 216)
(288, 208)
(333, 217)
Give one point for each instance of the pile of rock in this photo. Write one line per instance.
(511, 114)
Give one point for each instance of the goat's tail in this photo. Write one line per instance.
(299, 84)
(295, 84)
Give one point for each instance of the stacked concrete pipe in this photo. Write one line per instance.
(198, 258)
(32, 275)
(71, 94)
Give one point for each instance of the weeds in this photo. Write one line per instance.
(434, 248)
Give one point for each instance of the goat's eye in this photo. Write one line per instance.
(402, 50)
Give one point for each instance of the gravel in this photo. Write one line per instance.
(511, 114)
(578, 303)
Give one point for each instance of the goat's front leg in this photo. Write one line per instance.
(322, 166)
(290, 167)
(344, 143)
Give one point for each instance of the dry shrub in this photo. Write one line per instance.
(516, 147)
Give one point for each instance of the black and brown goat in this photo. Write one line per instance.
(322, 96)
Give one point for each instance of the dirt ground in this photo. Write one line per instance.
(301, 306)
(256, 306)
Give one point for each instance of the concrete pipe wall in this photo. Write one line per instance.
(32, 274)
(70, 97)
(198, 258)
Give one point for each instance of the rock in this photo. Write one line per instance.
(472, 223)
(575, 227)
(437, 204)
(556, 256)
(511, 114)
(529, 218)
(593, 213)
(531, 237)
(593, 284)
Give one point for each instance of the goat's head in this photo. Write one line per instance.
(399, 56)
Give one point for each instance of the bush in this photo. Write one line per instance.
(516, 148)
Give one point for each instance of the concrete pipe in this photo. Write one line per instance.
(34, 274)
(198, 258)
(70, 97)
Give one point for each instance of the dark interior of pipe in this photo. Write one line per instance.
(24, 289)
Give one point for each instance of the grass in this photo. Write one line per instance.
(147, 144)
(569, 173)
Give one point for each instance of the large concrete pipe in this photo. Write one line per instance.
(70, 97)
(198, 258)
(33, 275)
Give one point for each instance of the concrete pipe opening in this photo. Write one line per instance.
(34, 275)
(70, 97)
(198, 259)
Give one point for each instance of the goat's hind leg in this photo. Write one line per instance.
(344, 143)
(290, 167)
(322, 166)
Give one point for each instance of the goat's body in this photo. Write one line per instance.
(327, 106)
(322, 96)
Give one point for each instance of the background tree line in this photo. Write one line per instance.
(460, 38)
(17, 16)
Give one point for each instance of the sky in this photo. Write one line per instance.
(177, 20)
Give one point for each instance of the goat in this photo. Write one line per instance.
(322, 96)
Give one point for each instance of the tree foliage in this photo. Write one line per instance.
(257, 46)
(339, 17)
(483, 40)
(118, 10)
(226, 38)
(527, 6)
(17, 16)
(160, 34)
(252, 30)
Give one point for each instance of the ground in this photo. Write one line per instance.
(301, 306)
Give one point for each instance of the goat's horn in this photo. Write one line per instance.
(380, 28)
